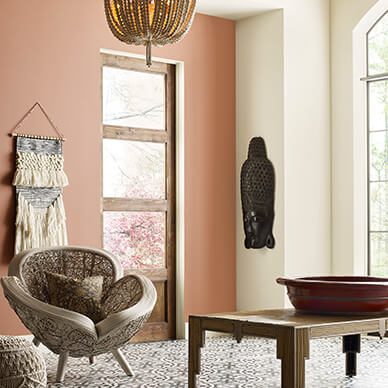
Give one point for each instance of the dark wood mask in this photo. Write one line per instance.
(258, 196)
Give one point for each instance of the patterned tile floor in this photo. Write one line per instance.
(251, 364)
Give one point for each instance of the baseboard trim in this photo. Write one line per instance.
(29, 337)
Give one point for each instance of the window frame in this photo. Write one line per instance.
(368, 80)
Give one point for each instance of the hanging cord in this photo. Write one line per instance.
(26, 115)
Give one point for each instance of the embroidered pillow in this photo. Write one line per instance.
(81, 296)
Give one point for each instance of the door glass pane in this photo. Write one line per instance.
(134, 169)
(136, 238)
(379, 254)
(377, 47)
(378, 103)
(378, 143)
(133, 98)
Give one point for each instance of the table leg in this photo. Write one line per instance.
(196, 341)
(293, 348)
(351, 345)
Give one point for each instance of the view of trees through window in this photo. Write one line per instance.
(378, 147)
(134, 170)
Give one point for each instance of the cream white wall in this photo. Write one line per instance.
(307, 138)
(283, 94)
(260, 91)
(309, 110)
(345, 16)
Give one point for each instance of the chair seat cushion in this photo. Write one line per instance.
(82, 296)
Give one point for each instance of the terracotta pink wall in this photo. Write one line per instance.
(50, 52)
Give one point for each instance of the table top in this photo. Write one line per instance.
(291, 318)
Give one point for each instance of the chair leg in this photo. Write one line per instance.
(118, 355)
(61, 366)
(92, 360)
(36, 342)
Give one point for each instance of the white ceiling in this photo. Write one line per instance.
(237, 9)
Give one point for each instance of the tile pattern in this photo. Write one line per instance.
(226, 364)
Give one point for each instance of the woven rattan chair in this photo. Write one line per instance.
(128, 303)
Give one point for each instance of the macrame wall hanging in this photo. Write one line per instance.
(39, 179)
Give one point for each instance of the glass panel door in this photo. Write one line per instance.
(139, 178)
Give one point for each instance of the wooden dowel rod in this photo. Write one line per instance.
(37, 136)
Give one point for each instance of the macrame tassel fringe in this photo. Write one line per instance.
(39, 178)
(39, 228)
(39, 170)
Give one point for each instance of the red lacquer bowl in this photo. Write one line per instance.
(348, 295)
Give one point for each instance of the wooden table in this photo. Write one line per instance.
(292, 332)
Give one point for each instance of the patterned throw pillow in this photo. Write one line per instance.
(81, 296)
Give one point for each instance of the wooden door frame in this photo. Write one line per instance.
(180, 319)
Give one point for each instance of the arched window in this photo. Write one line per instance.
(377, 122)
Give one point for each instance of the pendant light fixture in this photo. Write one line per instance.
(149, 22)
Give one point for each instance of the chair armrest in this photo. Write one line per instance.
(32, 310)
(131, 298)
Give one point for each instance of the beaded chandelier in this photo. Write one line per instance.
(149, 22)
